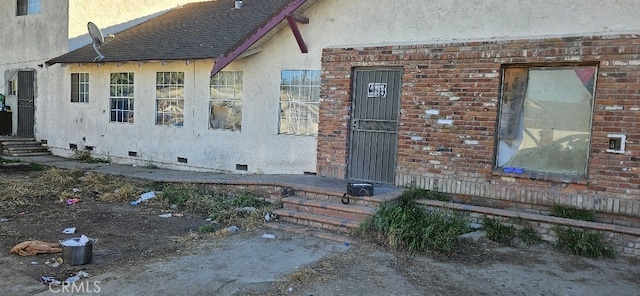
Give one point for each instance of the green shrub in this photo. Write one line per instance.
(7, 160)
(412, 193)
(572, 213)
(498, 232)
(407, 227)
(529, 235)
(206, 228)
(506, 234)
(37, 167)
(583, 243)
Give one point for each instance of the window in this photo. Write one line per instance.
(225, 105)
(25, 7)
(545, 119)
(170, 98)
(121, 96)
(80, 87)
(13, 87)
(299, 102)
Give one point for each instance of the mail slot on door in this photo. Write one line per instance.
(360, 189)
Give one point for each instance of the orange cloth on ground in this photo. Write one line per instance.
(29, 248)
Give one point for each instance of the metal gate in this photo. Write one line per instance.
(26, 99)
(374, 125)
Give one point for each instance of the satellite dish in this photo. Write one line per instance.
(98, 40)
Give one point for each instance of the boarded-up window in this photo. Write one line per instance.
(545, 118)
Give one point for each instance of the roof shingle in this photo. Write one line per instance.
(194, 31)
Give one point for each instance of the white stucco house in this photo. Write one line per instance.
(402, 92)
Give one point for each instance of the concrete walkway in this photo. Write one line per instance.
(318, 183)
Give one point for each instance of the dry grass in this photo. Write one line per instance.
(302, 275)
(62, 184)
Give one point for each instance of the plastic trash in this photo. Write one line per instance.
(168, 215)
(34, 262)
(514, 170)
(267, 217)
(246, 209)
(232, 228)
(143, 197)
(268, 236)
(49, 280)
(70, 230)
(72, 279)
(82, 241)
(72, 201)
(54, 262)
(3, 220)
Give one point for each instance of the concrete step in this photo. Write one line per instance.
(316, 220)
(327, 208)
(305, 230)
(23, 154)
(364, 201)
(17, 147)
(26, 148)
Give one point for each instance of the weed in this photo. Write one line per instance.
(498, 232)
(206, 228)
(85, 156)
(412, 193)
(583, 243)
(222, 209)
(8, 160)
(506, 234)
(405, 226)
(529, 235)
(572, 213)
(37, 167)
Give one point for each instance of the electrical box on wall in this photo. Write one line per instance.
(616, 143)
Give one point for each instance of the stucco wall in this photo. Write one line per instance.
(333, 23)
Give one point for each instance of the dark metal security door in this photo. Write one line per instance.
(374, 125)
(26, 98)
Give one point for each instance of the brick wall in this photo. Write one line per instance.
(449, 113)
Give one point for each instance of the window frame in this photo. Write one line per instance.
(164, 80)
(13, 87)
(308, 86)
(524, 108)
(80, 87)
(122, 98)
(28, 7)
(236, 83)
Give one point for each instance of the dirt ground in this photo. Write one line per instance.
(140, 253)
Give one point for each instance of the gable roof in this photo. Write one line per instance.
(194, 31)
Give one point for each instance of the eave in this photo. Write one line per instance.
(286, 13)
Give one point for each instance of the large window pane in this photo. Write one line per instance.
(299, 102)
(545, 119)
(121, 98)
(225, 105)
(170, 98)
